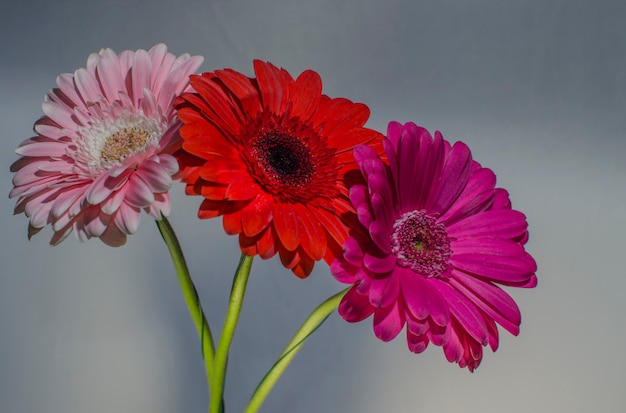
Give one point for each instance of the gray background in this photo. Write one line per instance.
(536, 88)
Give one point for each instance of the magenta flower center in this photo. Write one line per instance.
(284, 158)
(420, 243)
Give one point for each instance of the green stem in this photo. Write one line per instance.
(230, 324)
(190, 294)
(312, 323)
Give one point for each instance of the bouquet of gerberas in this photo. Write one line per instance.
(411, 223)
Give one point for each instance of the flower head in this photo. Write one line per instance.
(440, 239)
(102, 152)
(272, 155)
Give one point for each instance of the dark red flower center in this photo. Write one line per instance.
(420, 243)
(289, 159)
(284, 158)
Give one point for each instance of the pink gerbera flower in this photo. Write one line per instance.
(441, 239)
(103, 149)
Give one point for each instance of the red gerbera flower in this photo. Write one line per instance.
(271, 155)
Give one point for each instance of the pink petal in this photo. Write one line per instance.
(110, 75)
(113, 202)
(155, 175)
(139, 194)
(140, 75)
(87, 85)
(161, 206)
(43, 149)
(127, 218)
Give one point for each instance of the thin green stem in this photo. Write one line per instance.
(312, 323)
(230, 324)
(191, 296)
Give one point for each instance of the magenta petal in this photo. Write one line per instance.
(421, 299)
(388, 322)
(453, 349)
(355, 307)
(417, 327)
(343, 271)
(416, 344)
(501, 223)
(498, 260)
(492, 300)
(358, 195)
(381, 235)
(382, 210)
(352, 252)
(476, 197)
(364, 152)
(380, 265)
(453, 178)
(464, 311)
(383, 292)
(408, 188)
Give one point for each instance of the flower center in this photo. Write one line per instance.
(122, 143)
(284, 158)
(420, 243)
(110, 141)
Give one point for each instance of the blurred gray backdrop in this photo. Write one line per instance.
(537, 89)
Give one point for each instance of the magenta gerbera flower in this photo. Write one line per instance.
(441, 237)
(102, 152)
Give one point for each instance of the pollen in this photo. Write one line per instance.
(123, 143)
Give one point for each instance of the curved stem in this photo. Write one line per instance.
(230, 324)
(190, 294)
(312, 323)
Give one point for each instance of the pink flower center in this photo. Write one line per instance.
(122, 143)
(420, 243)
(284, 158)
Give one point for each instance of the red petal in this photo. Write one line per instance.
(286, 224)
(265, 244)
(307, 93)
(232, 223)
(312, 236)
(257, 215)
(218, 107)
(243, 89)
(241, 190)
(274, 85)
(304, 266)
